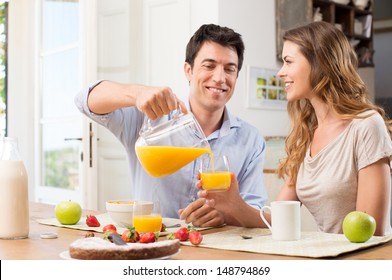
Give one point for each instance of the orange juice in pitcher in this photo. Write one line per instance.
(164, 148)
(164, 160)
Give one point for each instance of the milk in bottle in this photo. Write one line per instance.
(14, 203)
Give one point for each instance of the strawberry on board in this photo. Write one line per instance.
(92, 221)
(182, 234)
(130, 235)
(109, 227)
(195, 237)
(148, 237)
(89, 234)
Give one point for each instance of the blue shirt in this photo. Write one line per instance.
(241, 142)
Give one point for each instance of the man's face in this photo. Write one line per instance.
(213, 77)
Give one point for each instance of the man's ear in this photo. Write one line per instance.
(188, 71)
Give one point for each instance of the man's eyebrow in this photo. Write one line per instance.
(214, 61)
(208, 60)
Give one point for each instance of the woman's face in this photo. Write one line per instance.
(295, 72)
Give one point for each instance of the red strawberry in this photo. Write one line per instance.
(182, 234)
(108, 231)
(148, 237)
(89, 234)
(109, 227)
(163, 227)
(92, 221)
(130, 235)
(195, 237)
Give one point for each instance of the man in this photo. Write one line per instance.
(214, 57)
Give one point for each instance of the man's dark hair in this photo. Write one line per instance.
(224, 36)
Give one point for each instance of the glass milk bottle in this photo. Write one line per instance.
(14, 202)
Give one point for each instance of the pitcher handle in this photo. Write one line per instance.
(263, 218)
(147, 126)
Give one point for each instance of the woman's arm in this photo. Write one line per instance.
(374, 194)
(287, 192)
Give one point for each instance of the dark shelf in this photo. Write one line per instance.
(345, 17)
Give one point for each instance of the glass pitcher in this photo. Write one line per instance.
(14, 201)
(166, 145)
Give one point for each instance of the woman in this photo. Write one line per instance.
(339, 149)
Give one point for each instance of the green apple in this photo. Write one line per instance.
(358, 226)
(68, 212)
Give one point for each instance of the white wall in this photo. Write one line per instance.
(255, 20)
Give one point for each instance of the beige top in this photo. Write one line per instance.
(327, 182)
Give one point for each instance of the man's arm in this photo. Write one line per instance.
(155, 102)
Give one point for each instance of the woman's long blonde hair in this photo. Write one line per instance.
(334, 79)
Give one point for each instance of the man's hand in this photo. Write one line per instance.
(228, 203)
(155, 102)
(201, 215)
(158, 101)
(224, 201)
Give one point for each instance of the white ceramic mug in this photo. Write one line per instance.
(285, 219)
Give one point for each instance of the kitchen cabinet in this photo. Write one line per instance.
(356, 23)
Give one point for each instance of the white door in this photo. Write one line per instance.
(115, 27)
(167, 31)
(60, 126)
(136, 42)
(77, 159)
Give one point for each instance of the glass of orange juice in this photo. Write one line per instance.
(215, 173)
(147, 216)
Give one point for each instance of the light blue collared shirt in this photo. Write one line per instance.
(241, 142)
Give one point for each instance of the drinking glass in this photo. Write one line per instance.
(215, 173)
(147, 216)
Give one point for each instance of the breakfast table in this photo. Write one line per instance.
(35, 247)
